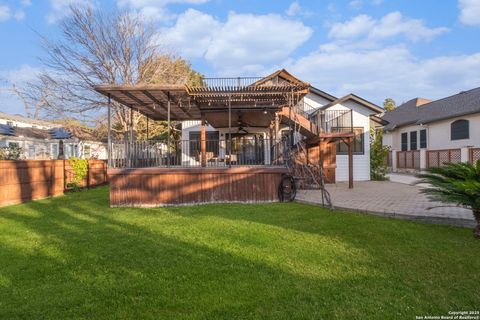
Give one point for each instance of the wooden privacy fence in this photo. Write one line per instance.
(437, 158)
(408, 159)
(388, 159)
(474, 155)
(25, 180)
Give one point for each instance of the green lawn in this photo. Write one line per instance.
(73, 257)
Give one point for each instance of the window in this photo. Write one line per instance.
(87, 153)
(459, 130)
(31, 152)
(54, 150)
(404, 141)
(10, 123)
(358, 143)
(423, 138)
(212, 139)
(14, 145)
(413, 140)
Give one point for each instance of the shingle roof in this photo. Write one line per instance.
(19, 118)
(355, 98)
(463, 103)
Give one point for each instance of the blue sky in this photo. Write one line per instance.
(374, 48)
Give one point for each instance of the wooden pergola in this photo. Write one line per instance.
(218, 101)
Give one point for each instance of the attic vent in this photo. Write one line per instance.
(462, 92)
(60, 133)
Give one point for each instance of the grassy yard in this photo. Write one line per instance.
(73, 257)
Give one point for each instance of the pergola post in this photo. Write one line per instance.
(109, 134)
(229, 131)
(168, 129)
(203, 142)
(276, 133)
(350, 162)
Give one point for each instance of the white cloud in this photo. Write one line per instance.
(155, 9)
(470, 12)
(192, 34)
(9, 77)
(5, 13)
(377, 2)
(60, 8)
(355, 4)
(19, 15)
(357, 26)
(25, 3)
(388, 72)
(390, 25)
(243, 43)
(293, 9)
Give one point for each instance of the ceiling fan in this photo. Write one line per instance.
(241, 124)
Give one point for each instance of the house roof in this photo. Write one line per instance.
(323, 94)
(353, 97)
(416, 111)
(19, 118)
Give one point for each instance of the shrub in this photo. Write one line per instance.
(80, 170)
(378, 154)
(456, 183)
(12, 152)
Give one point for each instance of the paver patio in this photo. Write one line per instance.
(390, 199)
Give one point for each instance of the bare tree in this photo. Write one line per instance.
(100, 48)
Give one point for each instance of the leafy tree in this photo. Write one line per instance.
(456, 183)
(95, 47)
(389, 104)
(378, 154)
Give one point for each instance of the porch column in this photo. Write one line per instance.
(350, 162)
(109, 137)
(230, 132)
(168, 129)
(277, 131)
(203, 142)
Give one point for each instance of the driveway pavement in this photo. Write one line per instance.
(392, 199)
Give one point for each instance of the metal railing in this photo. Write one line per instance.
(240, 151)
(304, 109)
(239, 82)
(333, 121)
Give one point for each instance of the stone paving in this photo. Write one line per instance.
(390, 199)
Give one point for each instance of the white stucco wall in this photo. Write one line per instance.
(361, 163)
(438, 134)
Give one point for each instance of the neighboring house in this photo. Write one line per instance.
(363, 117)
(41, 139)
(433, 132)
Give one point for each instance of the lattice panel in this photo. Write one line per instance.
(401, 159)
(474, 155)
(416, 159)
(409, 161)
(455, 156)
(437, 158)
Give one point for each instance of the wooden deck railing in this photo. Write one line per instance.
(245, 151)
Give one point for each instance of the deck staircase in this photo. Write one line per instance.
(306, 174)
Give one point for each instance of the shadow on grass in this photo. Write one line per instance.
(73, 257)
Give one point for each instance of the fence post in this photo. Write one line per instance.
(465, 154)
(394, 160)
(423, 159)
(88, 174)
